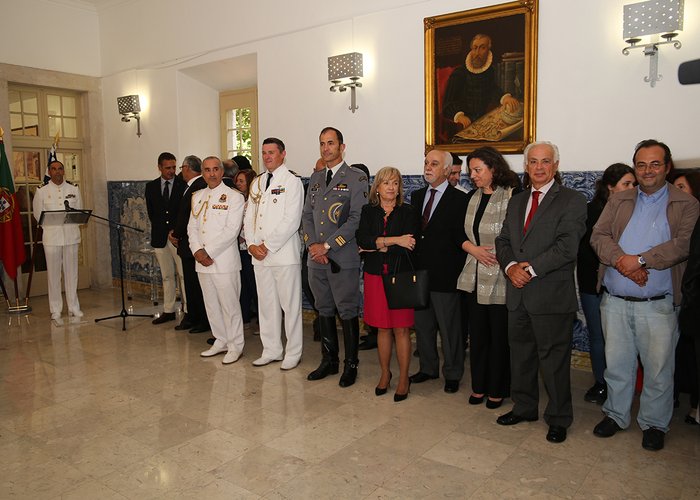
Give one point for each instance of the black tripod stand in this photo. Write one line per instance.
(124, 313)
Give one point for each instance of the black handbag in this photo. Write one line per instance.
(408, 289)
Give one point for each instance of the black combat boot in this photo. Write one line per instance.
(351, 339)
(329, 349)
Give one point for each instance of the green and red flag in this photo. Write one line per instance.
(12, 252)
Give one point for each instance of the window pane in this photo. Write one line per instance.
(15, 106)
(16, 123)
(18, 170)
(70, 127)
(54, 126)
(230, 141)
(68, 106)
(29, 102)
(31, 125)
(54, 104)
(231, 119)
(243, 117)
(31, 160)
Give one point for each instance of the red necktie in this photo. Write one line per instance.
(533, 209)
(428, 207)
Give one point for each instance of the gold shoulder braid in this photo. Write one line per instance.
(205, 207)
(255, 198)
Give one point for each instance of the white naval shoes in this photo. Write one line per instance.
(55, 316)
(262, 361)
(231, 357)
(77, 313)
(213, 351)
(289, 364)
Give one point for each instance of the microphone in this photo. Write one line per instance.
(65, 204)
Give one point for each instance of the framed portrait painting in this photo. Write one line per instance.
(481, 78)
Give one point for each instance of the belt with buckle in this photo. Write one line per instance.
(635, 299)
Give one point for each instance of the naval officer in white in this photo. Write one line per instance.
(271, 224)
(215, 221)
(60, 242)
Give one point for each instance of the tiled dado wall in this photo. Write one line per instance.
(127, 205)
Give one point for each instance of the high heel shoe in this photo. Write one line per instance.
(400, 397)
(380, 391)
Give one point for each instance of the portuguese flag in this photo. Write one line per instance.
(11, 239)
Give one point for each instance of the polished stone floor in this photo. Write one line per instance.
(90, 412)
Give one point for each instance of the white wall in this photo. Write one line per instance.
(47, 35)
(591, 99)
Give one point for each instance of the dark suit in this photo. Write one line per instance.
(439, 250)
(161, 214)
(541, 314)
(196, 312)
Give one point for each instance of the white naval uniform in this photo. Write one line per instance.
(215, 221)
(273, 217)
(60, 245)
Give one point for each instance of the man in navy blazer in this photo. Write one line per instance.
(537, 251)
(439, 250)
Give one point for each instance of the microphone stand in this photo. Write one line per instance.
(123, 314)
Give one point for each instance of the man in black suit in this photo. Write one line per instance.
(537, 251)
(196, 318)
(439, 250)
(163, 197)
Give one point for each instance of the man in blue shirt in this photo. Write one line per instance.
(642, 240)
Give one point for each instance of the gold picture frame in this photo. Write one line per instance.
(481, 78)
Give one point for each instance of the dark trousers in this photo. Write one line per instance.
(489, 354)
(443, 314)
(196, 312)
(541, 342)
(249, 291)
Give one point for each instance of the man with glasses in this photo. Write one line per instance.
(642, 240)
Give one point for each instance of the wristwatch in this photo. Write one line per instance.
(641, 261)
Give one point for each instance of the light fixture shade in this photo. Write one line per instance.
(652, 17)
(345, 66)
(128, 104)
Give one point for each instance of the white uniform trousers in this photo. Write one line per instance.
(279, 289)
(221, 293)
(65, 256)
(169, 262)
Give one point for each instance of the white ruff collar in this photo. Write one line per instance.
(476, 71)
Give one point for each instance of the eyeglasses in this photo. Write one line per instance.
(654, 165)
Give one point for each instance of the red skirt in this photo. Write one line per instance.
(377, 312)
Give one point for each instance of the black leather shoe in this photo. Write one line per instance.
(653, 439)
(511, 418)
(556, 434)
(324, 369)
(369, 343)
(606, 428)
(211, 341)
(474, 400)
(597, 394)
(400, 397)
(492, 404)
(451, 386)
(164, 318)
(185, 324)
(200, 329)
(690, 420)
(419, 377)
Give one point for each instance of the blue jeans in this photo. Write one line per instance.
(591, 310)
(650, 330)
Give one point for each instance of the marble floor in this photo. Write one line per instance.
(88, 411)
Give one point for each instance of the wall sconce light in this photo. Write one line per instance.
(129, 108)
(346, 66)
(653, 17)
